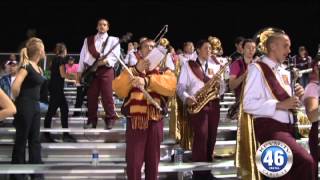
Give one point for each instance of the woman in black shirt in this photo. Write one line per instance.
(26, 90)
(56, 91)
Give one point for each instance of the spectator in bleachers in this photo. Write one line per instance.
(26, 91)
(56, 91)
(6, 81)
(71, 68)
(7, 108)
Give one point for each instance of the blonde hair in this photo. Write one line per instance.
(31, 50)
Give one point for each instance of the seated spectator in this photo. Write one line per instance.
(71, 68)
(11, 67)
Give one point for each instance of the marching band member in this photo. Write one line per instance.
(267, 96)
(102, 83)
(238, 72)
(303, 61)
(129, 59)
(144, 122)
(188, 53)
(311, 101)
(239, 50)
(193, 77)
(167, 61)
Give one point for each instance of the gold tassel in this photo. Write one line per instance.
(139, 122)
(246, 146)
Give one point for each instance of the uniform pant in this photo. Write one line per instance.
(143, 146)
(205, 125)
(27, 124)
(101, 85)
(313, 145)
(57, 100)
(303, 165)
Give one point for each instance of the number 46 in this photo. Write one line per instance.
(277, 159)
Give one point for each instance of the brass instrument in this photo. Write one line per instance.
(216, 45)
(261, 38)
(208, 92)
(165, 43)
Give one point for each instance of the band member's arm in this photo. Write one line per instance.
(311, 101)
(83, 55)
(164, 84)
(234, 82)
(21, 75)
(183, 83)
(312, 104)
(121, 85)
(6, 105)
(63, 74)
(234, 79)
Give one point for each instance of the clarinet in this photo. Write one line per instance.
(294, 76)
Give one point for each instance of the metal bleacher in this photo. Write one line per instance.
(73, 160)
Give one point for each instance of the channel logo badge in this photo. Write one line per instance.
(274, 159)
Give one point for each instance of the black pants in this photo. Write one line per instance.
(81, 93)
(57, 100)
(27, 124)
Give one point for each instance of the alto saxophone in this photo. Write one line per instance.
(208, 92)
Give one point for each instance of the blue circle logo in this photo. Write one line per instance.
(274, 159)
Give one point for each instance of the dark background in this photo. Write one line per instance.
(71, 21)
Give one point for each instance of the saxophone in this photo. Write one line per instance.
(208, 92)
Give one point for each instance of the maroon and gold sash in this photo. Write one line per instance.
(277, 90)
(92, 48)
(196, 69)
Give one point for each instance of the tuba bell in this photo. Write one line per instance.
(216, 45)
(261, 38)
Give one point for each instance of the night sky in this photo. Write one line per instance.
(71, 21)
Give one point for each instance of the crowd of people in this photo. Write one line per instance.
(261, 84)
